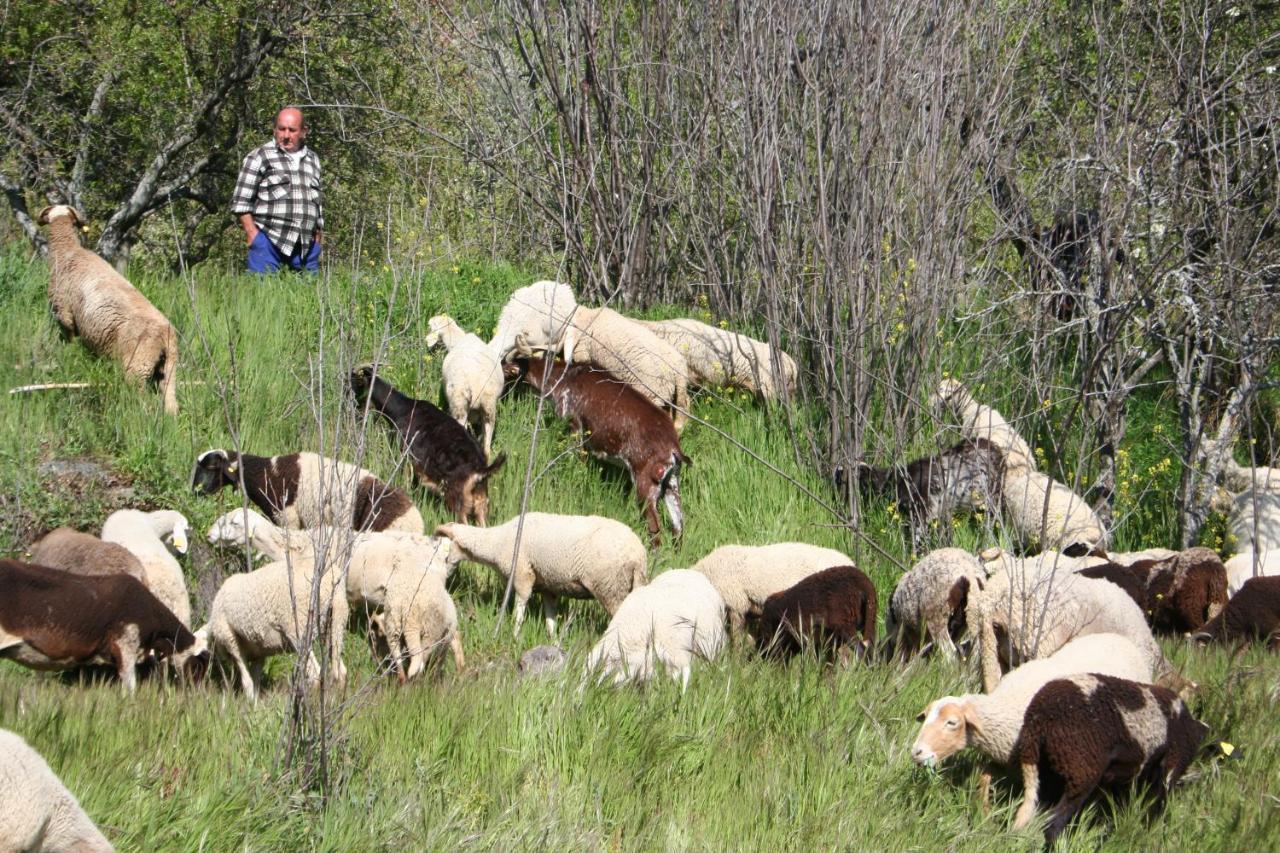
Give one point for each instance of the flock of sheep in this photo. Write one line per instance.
(1063, 632)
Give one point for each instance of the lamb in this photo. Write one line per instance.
(965, 476)
(1040, 603)
(831, 609)
(84, 554)
(932, 599)
(746, 575)
(265, 612)
(416, 621)
(1248, 564)
(574, 556)
(472, 376)
(1178, 594)
(143, 535)
(90, 299)
(37, 812)
(618, 424)
(720, 358)
(308, 490)
(445, 457)
(632, 353)
(992, 722)
(679, 616)
(979, 421)
(1090, 730)
(1046, 515)
(540, 313)
(1253, 613)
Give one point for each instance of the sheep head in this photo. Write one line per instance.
(213, 470)
(438, 325)
(947, 725)
(57, 211)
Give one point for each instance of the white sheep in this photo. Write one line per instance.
(1040, 604)
(1128, 558)
(1255, 520)
(981, 421)
(369, 558)
(85, 554)
(90, 299)
(265, 612)
(931, 599)
(472, 376)
(1249, 563)
(1237, 478)
(746, 575)
(143, 535)
(677, 617)
(632, 353)
(720, 358)
(416, 621)
(991, 722)
(574, 556)
(37, 812)
(1046, 515)
(539, 313)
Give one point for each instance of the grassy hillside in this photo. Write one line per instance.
(753, 756)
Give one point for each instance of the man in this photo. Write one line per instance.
(277, 199)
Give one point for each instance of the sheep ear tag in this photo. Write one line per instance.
(233, 468)
(180, 541)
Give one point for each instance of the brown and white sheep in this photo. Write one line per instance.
(932, 599)
(1178, 594)
(90, 299)
(1093, 730)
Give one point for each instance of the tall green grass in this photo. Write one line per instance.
(753, 756)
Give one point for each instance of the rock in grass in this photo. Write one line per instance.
(542, 660)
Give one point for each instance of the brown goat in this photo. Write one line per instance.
(618, 424)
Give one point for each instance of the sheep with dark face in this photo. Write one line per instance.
(617, 424)
(1094, 730)
(307, 490)
(831, 610)
(966, 476)
(446, 458)
(1253, 613)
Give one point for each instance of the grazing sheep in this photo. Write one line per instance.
(1046, 515)
(416, 621)
(472, 377)
(679, 616)
(1091, 730)
(618, 424)
(308, 490)
(53, 620)
(37, 812)
(266, 612)
(979, 421)
(992, 722)
(1248, 564)
(445, 457)
(720, 358)
(746, 575)
(632, 353)
(84, 554)
(369, 559)
(540, 313)
(90, 299)
(966, 476)
(574, 556)
(831, 609)
(143, 535)
(1178, 594)
(1039, 604)
(1253, 613)
(1255, 520)
(932, 599)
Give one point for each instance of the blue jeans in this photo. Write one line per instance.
(264, 257)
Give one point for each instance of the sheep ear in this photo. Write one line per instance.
(42, 217)
(971, 717)
(921, 716)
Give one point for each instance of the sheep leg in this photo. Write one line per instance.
(550, 605)
(523, 588)
(1031, 791)
(984, 788)
(248, 675)
(649, 497)
(488, 437)
(737, 625)
(459, 660)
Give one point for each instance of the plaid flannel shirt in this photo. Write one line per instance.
(285, 200)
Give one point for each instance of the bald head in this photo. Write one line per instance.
(290, 129)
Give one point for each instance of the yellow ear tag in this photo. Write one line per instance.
(1226, 748)
(232, 468)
